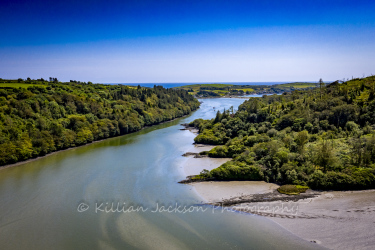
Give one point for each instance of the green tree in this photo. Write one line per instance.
(301, 140)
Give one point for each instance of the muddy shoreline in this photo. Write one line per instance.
(266, 197)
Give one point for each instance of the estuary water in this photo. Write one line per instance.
(115, 194)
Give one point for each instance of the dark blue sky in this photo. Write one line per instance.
(184, 41)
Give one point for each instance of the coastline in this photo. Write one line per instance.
(334, 220)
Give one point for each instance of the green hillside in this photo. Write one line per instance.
(39, 117)
(322, 137)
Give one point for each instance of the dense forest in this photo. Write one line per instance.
(38, 117)
(322, 137)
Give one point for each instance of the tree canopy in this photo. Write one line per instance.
(38, 117)
(322, 137)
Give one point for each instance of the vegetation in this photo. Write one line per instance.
(322, 138)
(292, 189)
(217, 90)
(38, 117)
(20, 83)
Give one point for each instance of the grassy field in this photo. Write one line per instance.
(244, 89)
(299, 85)
(19, 85)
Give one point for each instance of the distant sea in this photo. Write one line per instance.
(172, 85)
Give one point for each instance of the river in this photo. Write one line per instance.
(62, 201)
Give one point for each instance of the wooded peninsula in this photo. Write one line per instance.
(38, 117)
(323, 138)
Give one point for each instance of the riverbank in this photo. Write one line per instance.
(336, 220)
(62, 150)
(194, 165)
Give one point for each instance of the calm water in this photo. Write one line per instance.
(39, 199)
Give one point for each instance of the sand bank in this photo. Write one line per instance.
(216, 191)
(193, 166)
(336, 220)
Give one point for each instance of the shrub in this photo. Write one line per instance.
(272, 132)
(309, 127)
(292, 189)
(219, 152)
(262, 129)
(208, 137)
(238, 171)
(196, 123)
(351, 126)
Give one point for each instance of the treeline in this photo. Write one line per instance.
(38, 119)
(323, 138)
(204, 93)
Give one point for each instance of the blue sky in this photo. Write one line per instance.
(187, 41)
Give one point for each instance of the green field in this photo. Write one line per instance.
(299, 85)
(19, 85)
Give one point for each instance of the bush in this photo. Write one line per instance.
(219, 152)
(196, 123)
(364, 178)
(262, 129)
(292, 189)
(317, 180)
(238, 171)
(252, 140)
(285, 121)
(342, 181)
(272, 132)
(309, 127)
(208, 137)
(313, 138)
(351, 126)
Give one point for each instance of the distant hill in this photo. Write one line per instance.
(219, 90)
